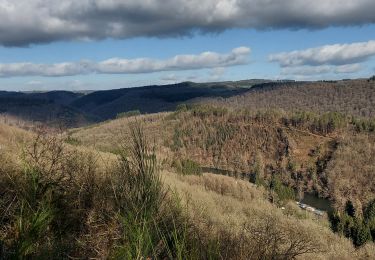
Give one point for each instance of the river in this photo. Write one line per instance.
(317, 202)
(310, 199)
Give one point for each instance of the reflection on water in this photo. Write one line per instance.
(316, 202)
(309, 198)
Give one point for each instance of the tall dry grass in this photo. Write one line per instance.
(247, 226)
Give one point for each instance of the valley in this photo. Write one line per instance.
(272, 157)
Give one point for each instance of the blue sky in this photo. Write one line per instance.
(159, 49)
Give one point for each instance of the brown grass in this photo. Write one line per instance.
(219, 204)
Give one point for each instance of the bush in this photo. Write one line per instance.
(360, 233)
(56, 206)
(51, 195)
(152, 222)
(349, 209)
(72, 141)
(182, 108)
(187, 167)
(364, 125)
(268, 116)
(282, 191)
(329, 122)
(301, 119)
(369, 217)
(271, 239)
(204, 111)
(128, 114)
(177, 140)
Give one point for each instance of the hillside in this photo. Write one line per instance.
(75, 109)
(352, 97)
(305, 151)
(87, 183)
(153, 99)
(52, 107)
(75, 202)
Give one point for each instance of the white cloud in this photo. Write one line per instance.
(350, 68)
(23, 22)
(328, 59)
(337, 54)
(49, 70)
(237, 56)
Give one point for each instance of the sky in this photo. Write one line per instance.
(106, 44)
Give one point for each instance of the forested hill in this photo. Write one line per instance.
(352, 97)
(77, 109)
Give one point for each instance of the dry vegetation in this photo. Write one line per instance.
(353, 97)
(306, 151)
(352, 170)
(135, 187)
(58, 202)
(238, 211)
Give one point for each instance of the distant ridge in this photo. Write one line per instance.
(85, 107)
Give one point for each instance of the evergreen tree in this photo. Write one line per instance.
(371, 225)
(369, 216)
(336, 223)
(348, 224)
(361, 233)
(349, 208)
(369, 213)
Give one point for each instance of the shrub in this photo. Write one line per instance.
(349, 209)
(271, 239)
(203, 111)
(151, 221)
(369, 217)
(176, 141)
(300, 119)
(138, 182)
(72, 141)
(187, 167)
(282, 191)
(364, 125)
(268, 116)
(329, 122)
(182, 108)
(361, 233)
(128, 114)
(51, 197)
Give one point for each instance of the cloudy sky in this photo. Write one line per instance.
(103, 44)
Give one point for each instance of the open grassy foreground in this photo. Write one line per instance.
(112, 191)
